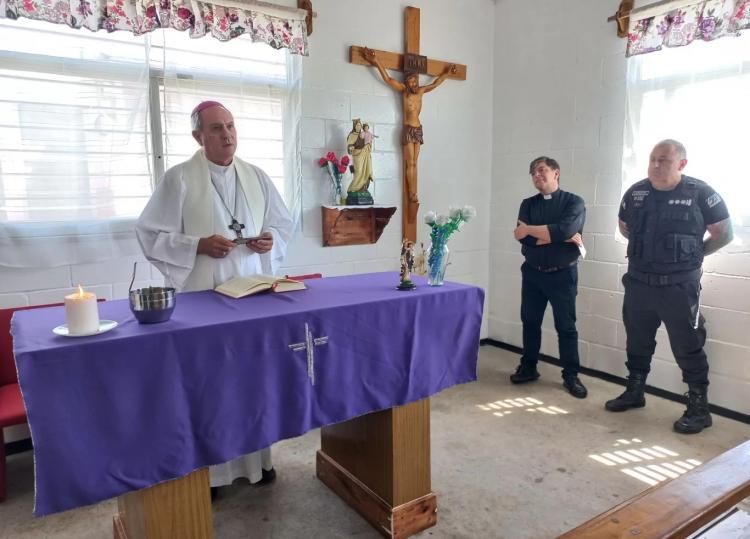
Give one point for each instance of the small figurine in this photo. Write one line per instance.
(366, 135)
(407, 265)
(420, 261)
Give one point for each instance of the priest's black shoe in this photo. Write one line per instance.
(524, 373)
(269, 476)
(575, 387)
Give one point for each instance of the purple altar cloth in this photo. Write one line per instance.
(142, 404)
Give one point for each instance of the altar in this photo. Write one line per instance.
(140, 412)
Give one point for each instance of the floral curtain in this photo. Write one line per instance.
(703, 20)
(276, 26)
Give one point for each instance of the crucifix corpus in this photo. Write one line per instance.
(412, 65)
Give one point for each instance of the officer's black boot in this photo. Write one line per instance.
(696, 417)
(633, 395)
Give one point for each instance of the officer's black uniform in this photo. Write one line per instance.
(662, 284)
(550, 274)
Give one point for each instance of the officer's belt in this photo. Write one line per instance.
(655, 279)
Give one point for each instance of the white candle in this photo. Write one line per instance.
(81, 312)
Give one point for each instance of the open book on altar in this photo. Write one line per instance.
(239, 287)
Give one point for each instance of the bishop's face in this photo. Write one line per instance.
(217, 135)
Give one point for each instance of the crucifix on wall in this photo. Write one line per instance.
(412, 65)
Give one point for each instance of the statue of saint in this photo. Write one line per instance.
(359, 146)
(420, 261)
(407, 265)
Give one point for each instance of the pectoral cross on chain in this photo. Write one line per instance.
(237, 227)
(309, 345)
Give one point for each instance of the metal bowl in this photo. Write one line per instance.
(153, 304)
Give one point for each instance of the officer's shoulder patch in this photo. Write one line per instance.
(713, 200)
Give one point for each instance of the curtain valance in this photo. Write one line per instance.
(277, 26)
(679, 23)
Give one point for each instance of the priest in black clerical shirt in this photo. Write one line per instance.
(549, 229)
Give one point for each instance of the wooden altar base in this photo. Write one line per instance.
(379, 464)
(180, 508)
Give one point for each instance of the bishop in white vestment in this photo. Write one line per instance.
(187, 228)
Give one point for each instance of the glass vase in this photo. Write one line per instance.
(335, 195)
(437, 262)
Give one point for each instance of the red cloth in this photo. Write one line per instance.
(12, 411)
(7, 364)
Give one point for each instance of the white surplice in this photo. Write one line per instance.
(161, 232)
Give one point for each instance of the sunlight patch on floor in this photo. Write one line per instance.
(503, 407)
(649, 464)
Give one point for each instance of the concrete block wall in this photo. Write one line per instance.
(560, 91)
(454, 165)
(453, 170)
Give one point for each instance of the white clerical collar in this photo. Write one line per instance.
(547, 197)
(220, 170)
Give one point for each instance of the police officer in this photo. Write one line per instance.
(549, 229)
(665, 218)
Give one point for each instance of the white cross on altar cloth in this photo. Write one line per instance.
(309, 345)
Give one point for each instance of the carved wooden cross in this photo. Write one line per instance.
(410, 61)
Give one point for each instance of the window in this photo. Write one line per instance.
(88, 121)
(697, 95)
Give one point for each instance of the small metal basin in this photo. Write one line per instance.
(153, 304)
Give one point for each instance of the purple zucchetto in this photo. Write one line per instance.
(205, 105)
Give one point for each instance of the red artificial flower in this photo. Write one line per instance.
(342, 168)
(345, 160)
(322, 161)
(330, 156)
(151, 11)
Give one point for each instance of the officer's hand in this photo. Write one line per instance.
(521, 231)
(262, 245)
(216, 246)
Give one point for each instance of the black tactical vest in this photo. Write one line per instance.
(666, 228)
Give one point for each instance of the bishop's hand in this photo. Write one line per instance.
(261, 245)
(216, 246)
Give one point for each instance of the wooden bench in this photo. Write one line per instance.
(679, 507)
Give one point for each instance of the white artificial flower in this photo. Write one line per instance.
(429, 217)
(468, 212)
(454, 212)
(442, 220)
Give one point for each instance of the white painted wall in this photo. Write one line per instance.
(454, 165)
(559, 90)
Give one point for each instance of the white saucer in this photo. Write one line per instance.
(104, 327)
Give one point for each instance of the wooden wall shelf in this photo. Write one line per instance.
(354, 225)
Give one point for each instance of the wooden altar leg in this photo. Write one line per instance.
(174, 509)
(380, 465)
